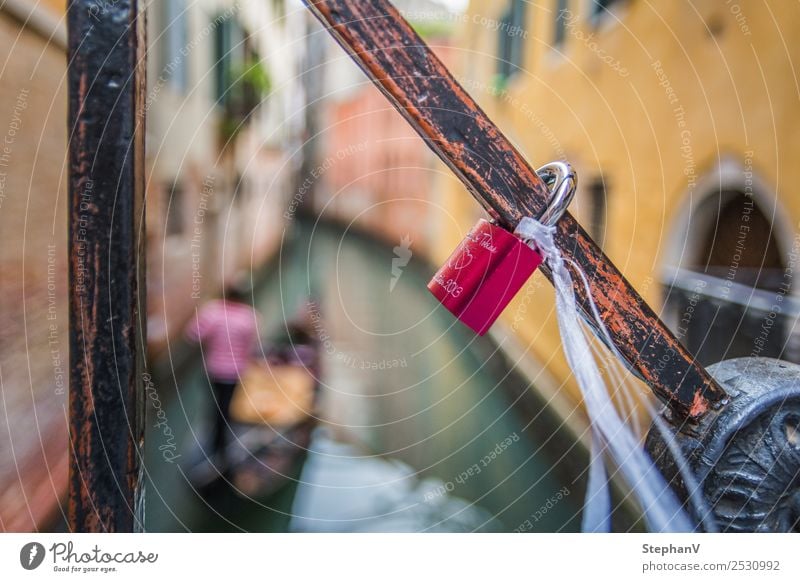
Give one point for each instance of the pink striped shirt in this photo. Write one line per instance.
(227, 332)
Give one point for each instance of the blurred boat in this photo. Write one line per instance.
(272, 414)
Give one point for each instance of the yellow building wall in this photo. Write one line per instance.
(56, 6)
(652, 98)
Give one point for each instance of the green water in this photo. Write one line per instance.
(402, 382)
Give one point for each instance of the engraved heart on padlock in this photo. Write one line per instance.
(461, 260)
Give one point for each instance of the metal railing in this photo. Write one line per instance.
(717, 318)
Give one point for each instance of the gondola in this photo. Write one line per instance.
(272, 419)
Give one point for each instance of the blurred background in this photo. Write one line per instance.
(270, 154)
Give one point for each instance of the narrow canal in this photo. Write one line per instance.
(424, 427)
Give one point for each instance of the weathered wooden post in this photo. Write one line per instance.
(421, 88)
(106, 262)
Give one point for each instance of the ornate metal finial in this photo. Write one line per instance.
(746, 458)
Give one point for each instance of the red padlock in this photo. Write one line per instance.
(483, 275)
(491, 264)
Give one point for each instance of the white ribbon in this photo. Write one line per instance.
(661, 508)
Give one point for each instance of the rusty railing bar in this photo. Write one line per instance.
(106, 72)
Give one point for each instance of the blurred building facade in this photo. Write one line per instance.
(681, 119)
(33, 263)
(225, 121)
(224, 107)
(377, 175)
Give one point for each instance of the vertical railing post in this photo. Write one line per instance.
(106, 68)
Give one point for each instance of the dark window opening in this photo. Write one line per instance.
(739, 245)
(598, 201)
(174, 42)
(511, 40)
(229, 52)
(562, 14)
(601, 8)
(175, 204)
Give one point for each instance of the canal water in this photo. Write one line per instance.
(424, 427)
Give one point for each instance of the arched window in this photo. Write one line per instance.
(739, 245)
(728, 292)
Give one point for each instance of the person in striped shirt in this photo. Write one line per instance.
(227, 331)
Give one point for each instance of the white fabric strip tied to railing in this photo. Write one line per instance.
(662, 510)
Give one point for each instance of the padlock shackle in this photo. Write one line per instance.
(562, 181)
(452, 124)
